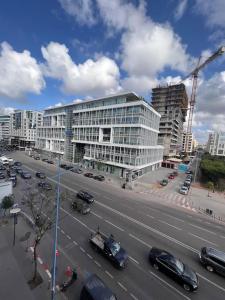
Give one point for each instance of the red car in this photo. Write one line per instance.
(171, 176)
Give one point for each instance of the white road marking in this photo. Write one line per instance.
(114, 225)
(174, 217)
(223, 237)
(170, 225)
(82, 249)
(148, 227)
(150, 216)
(132, 296)
(89, 256)
(62, 231)
(139, 240)
(49, 274)
(122, 286)
(69, 237)
(134, 260)
(203, 229)
(96, 215)
(202, 238)
(75, 243)
(172, 287)
(213, 283)
(97, 263)
(109, 274)
(40, 260)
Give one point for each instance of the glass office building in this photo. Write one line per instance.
(116, 134)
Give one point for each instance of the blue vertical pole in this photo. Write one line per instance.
(56, 234)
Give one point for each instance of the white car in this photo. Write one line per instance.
(183, 190)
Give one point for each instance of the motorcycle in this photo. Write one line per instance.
(67, 283)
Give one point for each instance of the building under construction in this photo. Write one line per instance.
(171, 102)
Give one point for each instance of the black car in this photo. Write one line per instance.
(11, 173)
(2, 176)
(90, 175)
(63, 166)
(45, 185)
(95, 289)
(77, 171)
(45, 159)
(99, 177)
(66, 167)
(85, 196)
(213, 260)
(51, 162)
(40, 175)
(2, 168)
(17, 163)
(14, 181)
(19, 170)
(36, 157)
(25, 175)
(173, 267)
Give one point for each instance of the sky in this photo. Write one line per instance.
(54, 52)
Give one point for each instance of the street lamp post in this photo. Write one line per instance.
(14, 213)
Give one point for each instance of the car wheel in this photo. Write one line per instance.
(209, 268)
(187, 287)
(155, 266)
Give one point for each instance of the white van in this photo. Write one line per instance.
(4, 160)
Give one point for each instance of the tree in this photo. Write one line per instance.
(210, 186)
(42, 209)
(7, 203)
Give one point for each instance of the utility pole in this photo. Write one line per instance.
(56, 235)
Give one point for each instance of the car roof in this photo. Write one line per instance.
(216, 253)
(97, 288)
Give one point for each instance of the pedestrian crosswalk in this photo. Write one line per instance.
(171, 198)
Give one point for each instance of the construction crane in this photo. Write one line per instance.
(194, 75)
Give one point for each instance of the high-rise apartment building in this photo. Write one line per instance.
(188, 142)
(4, 127)
(171, 102)
(23, 127)
(115, 134)
(216, 143)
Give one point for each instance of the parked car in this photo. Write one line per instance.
(25, 175)
(183, 190)
(19, 170)
(2, 168)
(175, 173)
(213, 260)
(45, 185)
(90, 175)
(83, 195)
(17, 163)
(40, 175)
(95, 289)
(164, 182)
(174, 268)
(171, 176)
(45, 159)
(14, 181)
(63, 166)
(51, 162)
(2, 176)
(11, 173)
(37, 157)
(189, 172)
(77, 171)
(99, 177)
(81, 206)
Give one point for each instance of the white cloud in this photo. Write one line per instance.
(81, 10)
(93, 77)
(19, 73)
(180, 9)
(214, 11)
(6, 110)
(147, 48)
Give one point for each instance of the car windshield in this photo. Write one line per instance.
(179, 265)
(115, 248)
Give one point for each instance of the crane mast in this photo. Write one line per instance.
(194, 75)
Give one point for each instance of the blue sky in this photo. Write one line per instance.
(56, 51)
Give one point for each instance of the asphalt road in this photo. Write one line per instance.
(138, 223)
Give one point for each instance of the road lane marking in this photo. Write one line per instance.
(75, 243)
(139, 240)
(62, 231)
(109, 274)
(114, 225)
(134, 260)
(213, 283)
(172, 287)
(49, 274)
(202, 229)
(40, 260)
(97, 263)
(82, 249)
(132, 296)
(122, 286)
(96, 215)
(89, 256)
(150, 216)
(170, 225)
(178, 219)
(68, 237)
(202, 238)
(148, 227)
